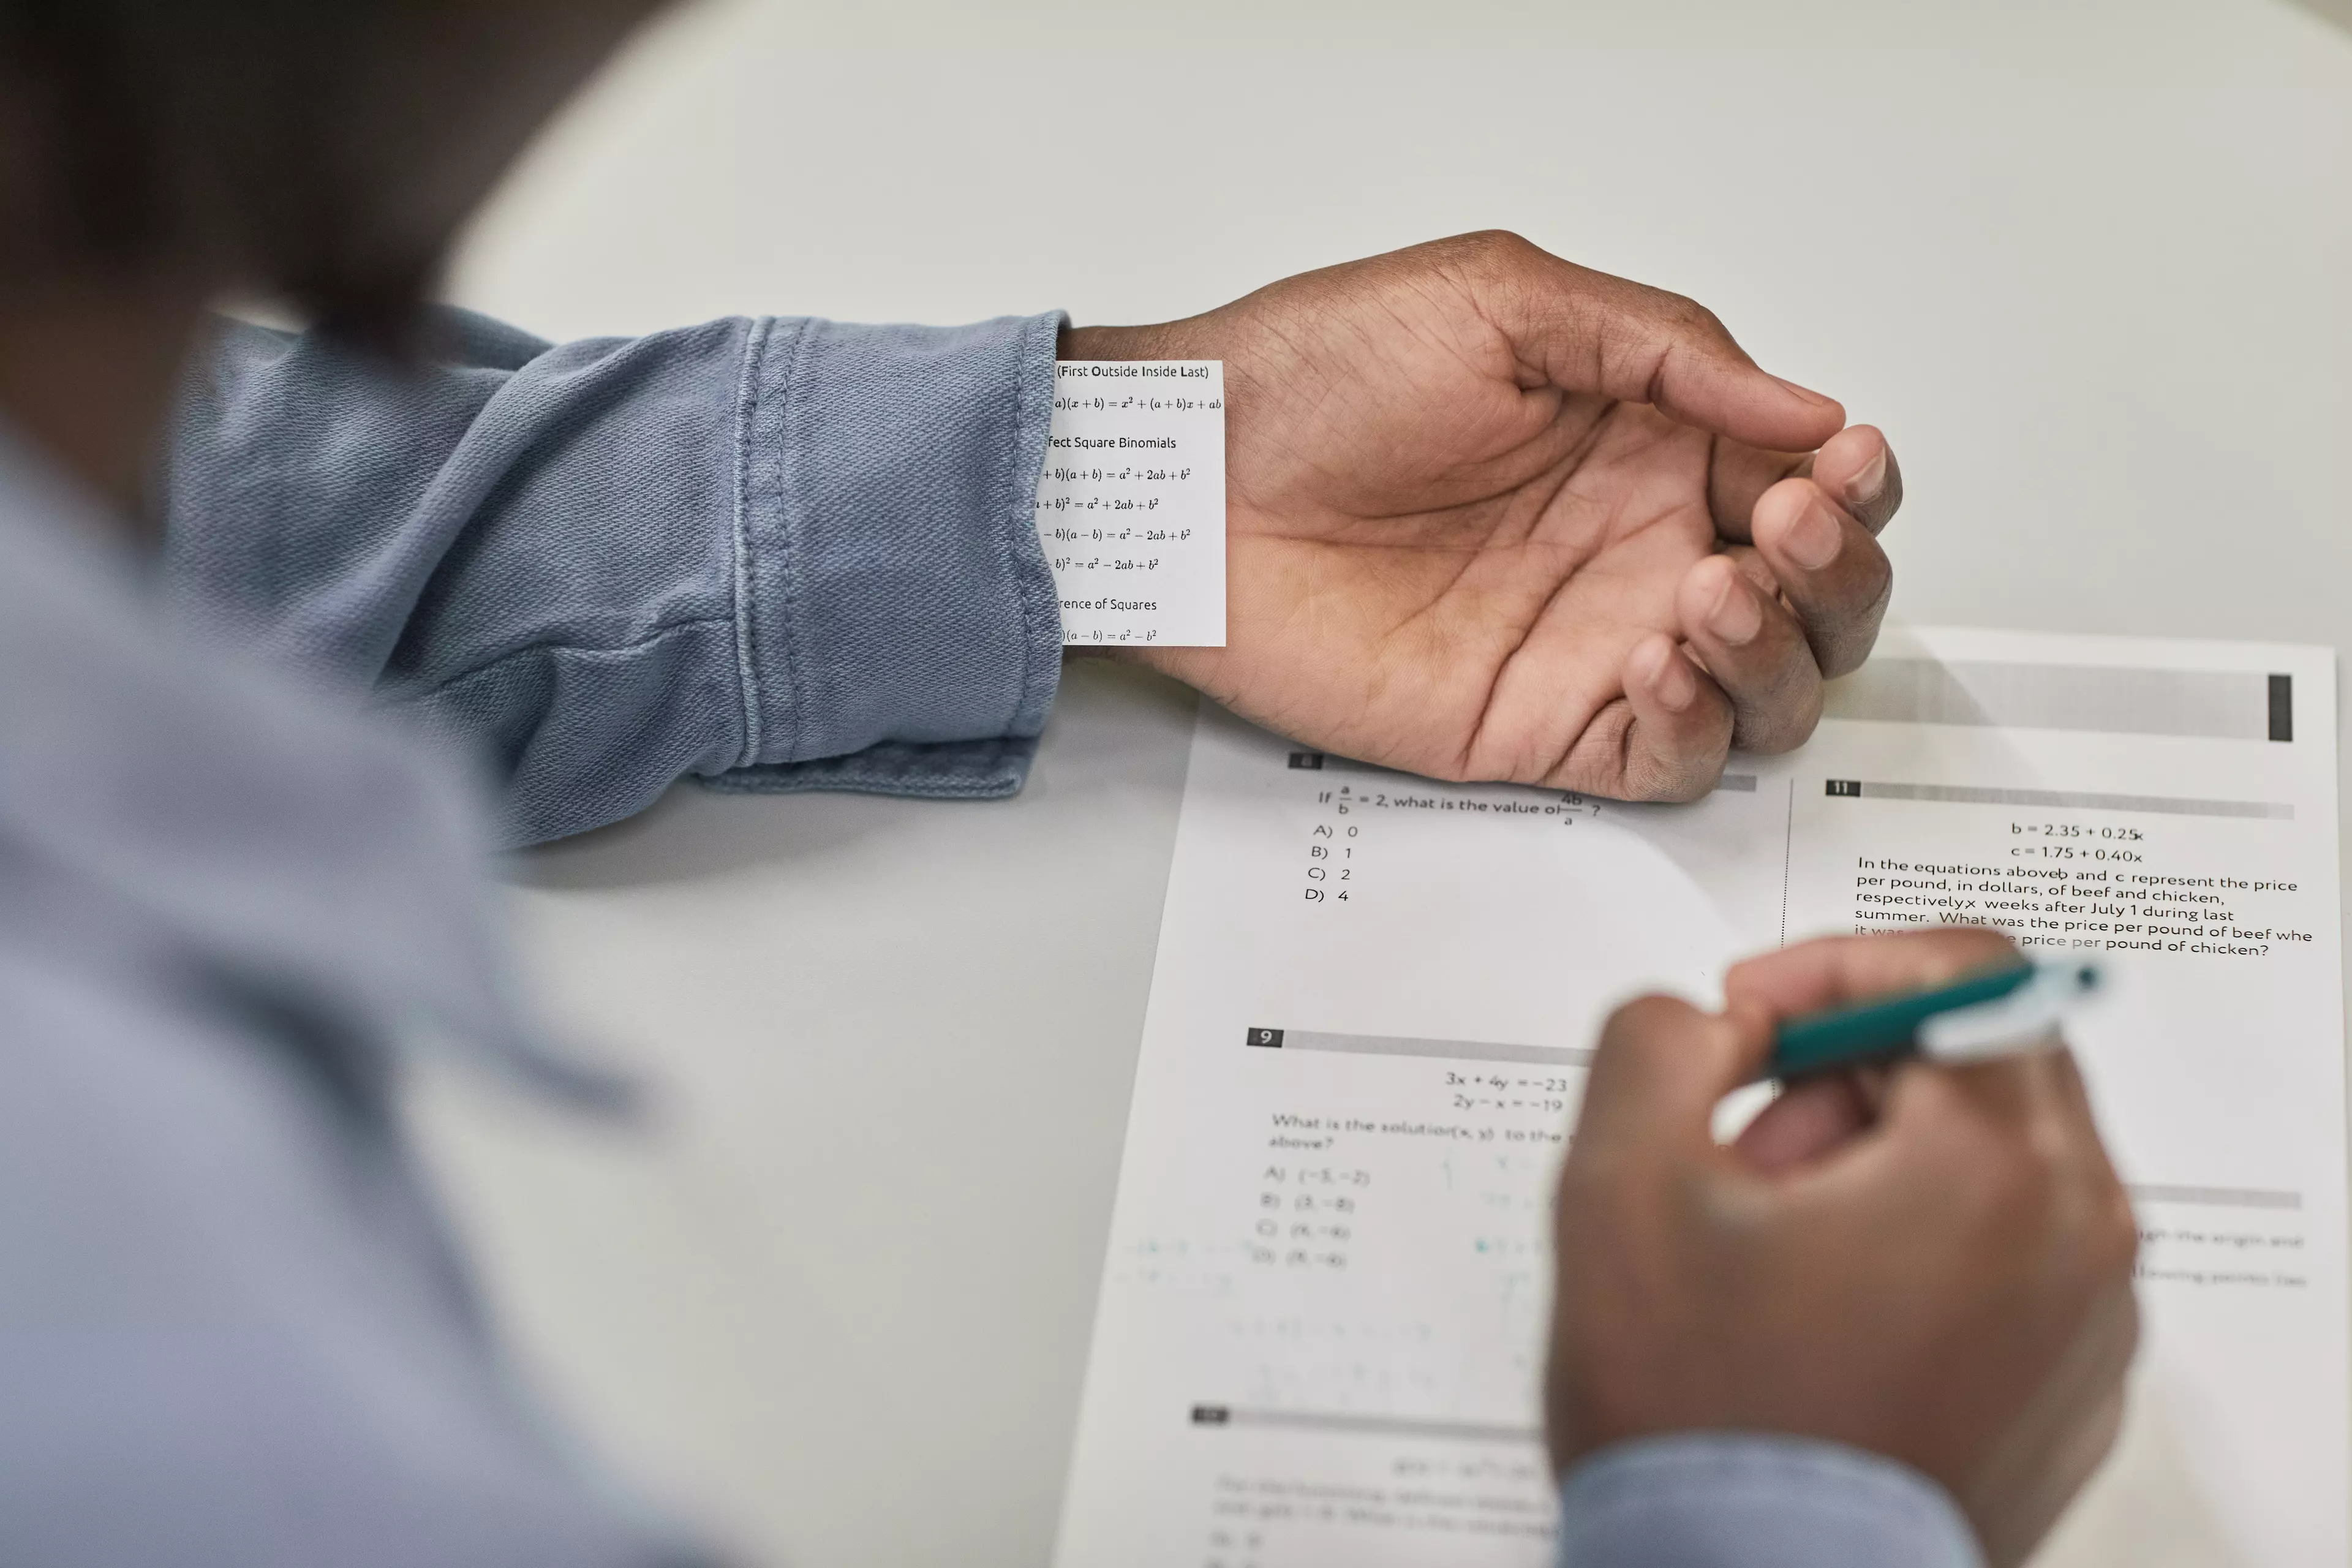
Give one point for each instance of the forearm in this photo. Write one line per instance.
(776, 553)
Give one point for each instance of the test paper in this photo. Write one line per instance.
(1323, 1316)
(1131, 505)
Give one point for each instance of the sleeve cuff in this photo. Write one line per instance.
(897, 629)
(1755, 1501)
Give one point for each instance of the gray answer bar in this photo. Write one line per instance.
(2216, 1197)
(1405, 1046)
(1971, 795)
(2228, 705)
(1362, 1425)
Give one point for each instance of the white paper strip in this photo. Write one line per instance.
(1131, 506)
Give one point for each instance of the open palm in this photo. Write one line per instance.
(1493, 516)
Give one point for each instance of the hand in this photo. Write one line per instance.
(1493, 516)
(1933, 1264)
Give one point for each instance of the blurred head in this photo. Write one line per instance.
(327, 151)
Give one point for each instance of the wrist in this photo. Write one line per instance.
(1128, 654)
(1115, 342)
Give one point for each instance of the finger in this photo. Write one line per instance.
(1738, 475)
(1660, 1069)
(2019, 1125)
(1756, 650)
(1668, 740)
(1801, 1125)
(1588, 331)
(1838, 971)
(1856, 466)
(1831, 569)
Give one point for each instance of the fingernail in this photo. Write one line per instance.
(1807, 394)
(1813, 541)
(1863, 488)
(1737, 617)
(1674, 685)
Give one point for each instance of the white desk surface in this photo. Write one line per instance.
(2090, 264)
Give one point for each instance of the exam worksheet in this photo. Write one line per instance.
(1322, 1321)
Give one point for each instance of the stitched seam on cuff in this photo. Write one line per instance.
(772, 429)
(747, 667)
(1019, 511)
(1008, 483)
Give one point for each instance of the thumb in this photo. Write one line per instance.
(1660, 1067)
(1592, 333)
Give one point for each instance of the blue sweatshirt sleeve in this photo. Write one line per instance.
(1755, 1501)
(776, 553)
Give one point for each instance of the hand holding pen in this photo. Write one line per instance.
(1925, 1262)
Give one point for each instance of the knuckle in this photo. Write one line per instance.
(1842, 614)
(1688, 316)
(1494, 249)
(1840, 654)
(1653, 775)
(1778, 740)
(1845, 647)
(1692, 786)
(1782, 724)
(1657, 781)
(1770, 735)
(1843, 656)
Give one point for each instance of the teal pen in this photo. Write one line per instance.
(2001, 1013)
